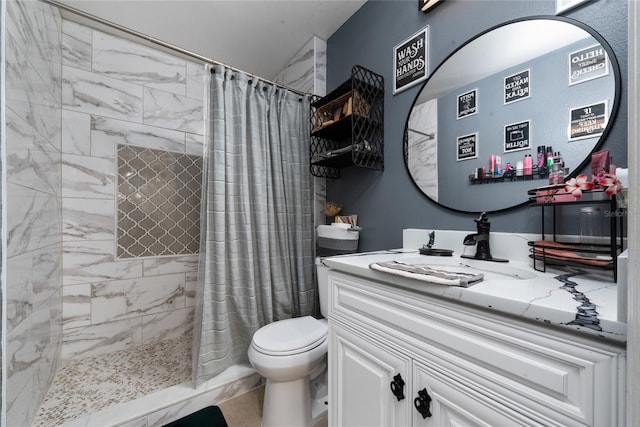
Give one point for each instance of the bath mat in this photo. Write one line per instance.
(210, 416)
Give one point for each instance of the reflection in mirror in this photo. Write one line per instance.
(544, 81)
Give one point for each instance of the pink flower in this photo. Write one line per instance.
(611, 182)
(576, 185)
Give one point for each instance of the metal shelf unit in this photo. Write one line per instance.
(347, 125)
(542, 253)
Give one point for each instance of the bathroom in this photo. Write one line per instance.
(369, 193)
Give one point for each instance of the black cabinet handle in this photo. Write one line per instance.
(397, 387)
(422, 403)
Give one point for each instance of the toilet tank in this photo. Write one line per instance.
(322, 274)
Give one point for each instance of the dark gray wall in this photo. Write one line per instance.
(387, 201)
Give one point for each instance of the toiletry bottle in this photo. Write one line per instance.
(540, 160)
(556, 176)
(549, 158)
(552, 177)
(498, 170)
(492, 163)
(612, 167)
(528, 164)
(519, 168)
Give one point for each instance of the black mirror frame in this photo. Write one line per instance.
(615, 69)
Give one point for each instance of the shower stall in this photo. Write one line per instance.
(102, 161)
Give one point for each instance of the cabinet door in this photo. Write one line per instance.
(360, 377)
(453, 400)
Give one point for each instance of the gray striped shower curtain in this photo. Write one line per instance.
(256, 244)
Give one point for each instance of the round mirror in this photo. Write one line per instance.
(473, 135)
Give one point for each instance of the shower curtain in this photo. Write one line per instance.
(256, 245)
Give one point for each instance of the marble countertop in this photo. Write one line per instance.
(586, 301)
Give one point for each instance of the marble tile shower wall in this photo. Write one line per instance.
(33, 295)
(307, 72)
(423, 149)
(115, 91)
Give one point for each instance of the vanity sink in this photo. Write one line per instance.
(490, 270)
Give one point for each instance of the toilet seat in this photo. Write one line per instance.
(290, 336)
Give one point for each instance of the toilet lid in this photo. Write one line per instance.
(290, 336)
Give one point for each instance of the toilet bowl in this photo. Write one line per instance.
(288, 354)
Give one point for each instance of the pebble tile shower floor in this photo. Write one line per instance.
(90, 384)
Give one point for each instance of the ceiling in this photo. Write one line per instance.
(259, 37)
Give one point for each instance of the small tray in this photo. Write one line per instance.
(436, 252)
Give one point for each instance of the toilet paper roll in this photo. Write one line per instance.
(623, 175)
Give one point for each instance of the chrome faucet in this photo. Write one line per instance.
(481, 240)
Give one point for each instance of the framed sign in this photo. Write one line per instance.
(428, 5)
(517, 87)
(587, 121)
(587, 64)
(467, 147)
(467, 104)
(565, 5)
(411, 61)
(516, 136)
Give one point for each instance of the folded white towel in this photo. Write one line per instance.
(428, 274)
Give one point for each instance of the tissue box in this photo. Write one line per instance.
(557, 193)
(553, 194)
(339, 237)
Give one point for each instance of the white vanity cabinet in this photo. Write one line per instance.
(475, 366)
(364, 370)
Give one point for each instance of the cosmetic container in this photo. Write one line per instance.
(541, 160)
(612, 167)
(590, 225)
(549, 157)
(528, 164)
(556, 176)
(519, 168)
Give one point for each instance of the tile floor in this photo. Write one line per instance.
(245, 410)
(90, 384)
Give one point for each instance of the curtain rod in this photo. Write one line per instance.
(159, 42)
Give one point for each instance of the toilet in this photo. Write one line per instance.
(290, 354)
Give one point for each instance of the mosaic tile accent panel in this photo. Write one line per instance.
(158, 202)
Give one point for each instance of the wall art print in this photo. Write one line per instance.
(517, 86)
(411, 61)
(516, 136)
(467, 147)
(588, 64)
(588, 121)
(467, 104)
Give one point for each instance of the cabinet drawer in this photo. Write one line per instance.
(456, 401)
(521, 363)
